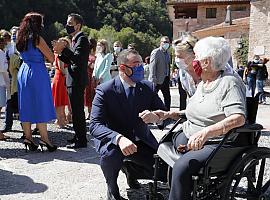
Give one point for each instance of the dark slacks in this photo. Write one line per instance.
(186, 166)
(183, 96)
(112, 162)
(76, 96)
(11, 108)
(165, 89)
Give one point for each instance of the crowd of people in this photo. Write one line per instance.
(120, 92)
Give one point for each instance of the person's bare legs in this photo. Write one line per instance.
(89, 111)
(61, 117)
(42, 127)
(27, 130)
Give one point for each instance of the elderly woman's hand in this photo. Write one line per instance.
(161, 114)
(197, 140)
(149, 117)
(167, 114)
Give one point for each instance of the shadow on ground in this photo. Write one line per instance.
(18, 184)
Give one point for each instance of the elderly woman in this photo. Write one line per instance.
(217, 106)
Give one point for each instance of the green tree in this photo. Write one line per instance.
(241, 53)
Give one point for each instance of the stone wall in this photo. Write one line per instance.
(260, 28)
(201, 21)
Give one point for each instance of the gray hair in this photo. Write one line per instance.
(215, 48)
(123, 56)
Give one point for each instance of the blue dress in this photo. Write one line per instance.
(34, 89)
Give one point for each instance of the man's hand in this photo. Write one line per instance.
(197, 140)
(127, 147)
(58, 46)
(161, 114)
(149, 117)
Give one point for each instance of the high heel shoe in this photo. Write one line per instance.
(49, 147)
(30, 145)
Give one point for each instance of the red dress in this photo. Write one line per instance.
(59, 90)
(89, 92)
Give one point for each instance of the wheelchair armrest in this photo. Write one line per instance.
(170, 132)
(249, 128)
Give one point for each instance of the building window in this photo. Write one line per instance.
(180, 34)
(238, 8)
(211, 13)
(189, 12)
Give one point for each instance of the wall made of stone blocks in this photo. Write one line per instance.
(201, 22)
(260, 28)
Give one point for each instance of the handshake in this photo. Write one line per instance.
(159, 115)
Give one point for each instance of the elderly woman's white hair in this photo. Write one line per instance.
(215, 48)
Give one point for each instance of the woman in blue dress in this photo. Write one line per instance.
(34, 90)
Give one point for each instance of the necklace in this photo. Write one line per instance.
(211, 87)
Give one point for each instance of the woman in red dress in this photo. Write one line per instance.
(59, 90)
(89, 92)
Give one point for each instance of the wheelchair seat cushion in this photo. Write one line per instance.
(167, 152)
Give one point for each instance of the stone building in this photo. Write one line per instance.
(231, 32)
(259, 35)
(202, 14)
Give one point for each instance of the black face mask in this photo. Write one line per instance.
(70, 29)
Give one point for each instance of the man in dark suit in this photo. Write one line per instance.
(159, 70)
(76, 80)
(117, 124)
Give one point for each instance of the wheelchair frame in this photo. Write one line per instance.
(223, 186)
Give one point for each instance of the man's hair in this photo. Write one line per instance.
(216, 48)
(164, 37)
(77, 18)
(122, 57)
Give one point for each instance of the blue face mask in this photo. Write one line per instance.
(137, 74)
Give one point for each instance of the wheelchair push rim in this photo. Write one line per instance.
(248, 179)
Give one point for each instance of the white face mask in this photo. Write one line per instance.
(180, 63)
(117, 49)
(166, 46)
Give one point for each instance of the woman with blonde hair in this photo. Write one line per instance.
(187, 78)
(103, 62)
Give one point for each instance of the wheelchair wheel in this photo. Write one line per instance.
(248, 178)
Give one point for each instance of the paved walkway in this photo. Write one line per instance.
(68, 174)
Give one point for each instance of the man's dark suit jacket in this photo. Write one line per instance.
(77, 58)
(111, 114)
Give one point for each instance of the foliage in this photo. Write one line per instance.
(138, 21)
(144, 42)
(241, 54)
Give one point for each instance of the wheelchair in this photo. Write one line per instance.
(237, 172)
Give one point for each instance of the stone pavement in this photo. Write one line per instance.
(69, 174)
